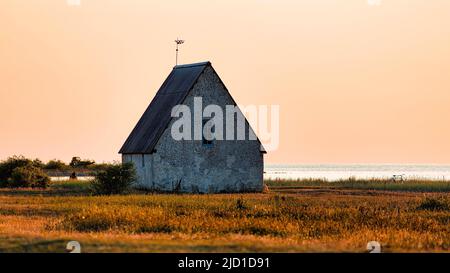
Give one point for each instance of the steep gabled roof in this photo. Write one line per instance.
(156, 118)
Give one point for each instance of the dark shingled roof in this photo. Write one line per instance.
(156, 118)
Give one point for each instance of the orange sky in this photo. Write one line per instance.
(355, 83)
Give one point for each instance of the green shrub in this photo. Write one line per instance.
(56, 165)
(7, 167)
(435, 204)
(29, 176)
(18, 171)
(79, 163)
(38, 163)
(115, 179)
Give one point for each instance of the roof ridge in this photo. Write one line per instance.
(192, 65)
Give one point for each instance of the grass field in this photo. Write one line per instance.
(411, 185)
(295, 216)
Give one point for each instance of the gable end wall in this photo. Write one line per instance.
(188, 166)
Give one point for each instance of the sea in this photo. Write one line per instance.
(335, 172)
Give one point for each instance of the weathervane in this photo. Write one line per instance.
(178, 42)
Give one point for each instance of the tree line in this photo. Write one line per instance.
(21, 172)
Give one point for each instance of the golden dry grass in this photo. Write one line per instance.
(292, 220)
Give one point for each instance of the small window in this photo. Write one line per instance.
(143, 160)
(208, 142)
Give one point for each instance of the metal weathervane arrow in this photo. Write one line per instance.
(178, 42)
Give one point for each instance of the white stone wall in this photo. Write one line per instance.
(144, 168)
(227, 166)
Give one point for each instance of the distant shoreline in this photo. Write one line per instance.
(336, 172)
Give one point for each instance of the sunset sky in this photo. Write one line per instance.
(356, 83)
